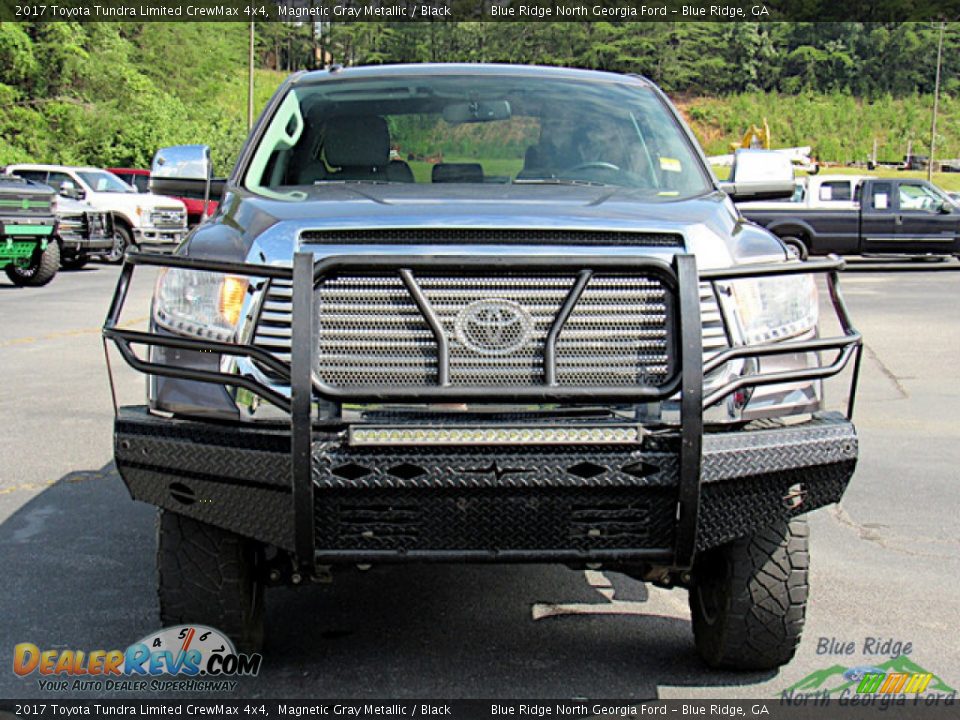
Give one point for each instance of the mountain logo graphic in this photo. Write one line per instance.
(899, 674)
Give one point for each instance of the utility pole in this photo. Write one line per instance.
(936, 104)
(250, 81)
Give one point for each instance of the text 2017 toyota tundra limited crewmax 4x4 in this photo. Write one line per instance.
(471, 313)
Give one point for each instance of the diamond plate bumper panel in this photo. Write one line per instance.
(482, 503)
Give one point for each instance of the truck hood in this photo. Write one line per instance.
(269, 229)
(131, 201)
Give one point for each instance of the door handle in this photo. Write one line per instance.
(898, 219)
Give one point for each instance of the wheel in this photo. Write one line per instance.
(122, 239)
(43, 267)
(210, 576)
(749, 598)
(74, 262)
(792, 241)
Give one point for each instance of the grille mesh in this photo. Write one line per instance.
(467, 236)
(273, 330)
(370, 331)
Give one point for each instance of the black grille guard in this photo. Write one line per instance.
(681, 278)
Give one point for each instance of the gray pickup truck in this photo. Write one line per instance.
(469, 313)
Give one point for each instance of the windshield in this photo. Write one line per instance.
(469, 129)
(102, 181)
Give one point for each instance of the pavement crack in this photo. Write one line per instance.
(870, 533)
(887, 372)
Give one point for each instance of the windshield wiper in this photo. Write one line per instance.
(561, 181)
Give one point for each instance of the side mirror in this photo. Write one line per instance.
(759, 190)
(946, 209)
(68, 189)
(181, 167)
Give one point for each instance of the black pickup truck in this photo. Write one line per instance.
(863, 216)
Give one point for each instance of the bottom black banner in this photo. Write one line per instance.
(891, 707)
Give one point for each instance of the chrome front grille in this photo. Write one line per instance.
(401, 332)
(71, 227)
(273, 330)
(369, 330)
(711, 319)
(168, 218)
(714, 332)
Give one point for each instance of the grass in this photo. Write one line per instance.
(838, 127)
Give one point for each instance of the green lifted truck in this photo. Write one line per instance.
(29, 253)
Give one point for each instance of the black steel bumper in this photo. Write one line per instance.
(303, 487)
(564, 503)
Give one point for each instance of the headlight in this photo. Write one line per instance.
(775, 308)
(200, 303)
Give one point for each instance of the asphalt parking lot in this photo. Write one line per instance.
(77, 555)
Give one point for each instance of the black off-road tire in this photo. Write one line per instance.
(210, 576)
(798, 244)
(749, 598)
(43, 267)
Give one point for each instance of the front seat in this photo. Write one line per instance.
(358, 148)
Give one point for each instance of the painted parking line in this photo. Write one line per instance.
(68, 333)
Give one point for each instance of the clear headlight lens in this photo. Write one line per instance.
(200, 303)
(775, 308)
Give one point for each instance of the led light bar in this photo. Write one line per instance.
(382, 436)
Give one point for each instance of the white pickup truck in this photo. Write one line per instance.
(139, 219)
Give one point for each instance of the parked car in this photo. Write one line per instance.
(900, 216)
(29, 253)
(550, 357)
(150, 221)
(140, 179)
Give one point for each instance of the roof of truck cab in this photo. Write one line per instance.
(821, 178)
(13, 167)
(479, 69)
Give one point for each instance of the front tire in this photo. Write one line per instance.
(210, 576)
(122, 239)
(749, 598)
(43, 267)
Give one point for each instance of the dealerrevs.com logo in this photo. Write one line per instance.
(190, 658)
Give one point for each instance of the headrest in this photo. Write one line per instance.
(457, 173)
(357, 141)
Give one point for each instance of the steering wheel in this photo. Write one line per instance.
(595, 165)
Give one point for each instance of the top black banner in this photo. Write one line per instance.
(479, 10)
